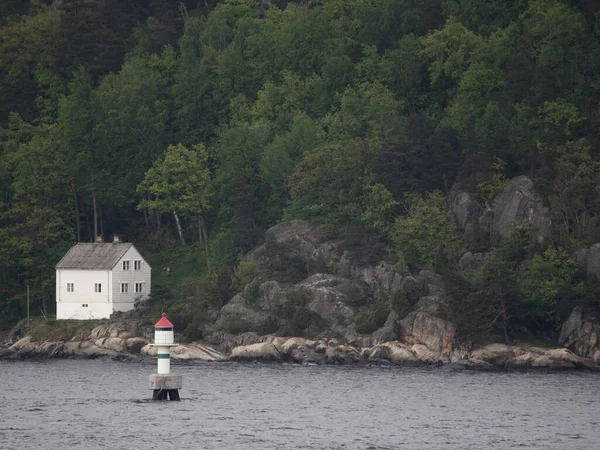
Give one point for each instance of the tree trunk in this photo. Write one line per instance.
(504, 313)
(77, 214)
(95, 213)
(179, 229)
(203, 236)
(101, 219)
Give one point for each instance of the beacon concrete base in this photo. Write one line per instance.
(164, 385)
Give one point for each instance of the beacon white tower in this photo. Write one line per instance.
(164, 383)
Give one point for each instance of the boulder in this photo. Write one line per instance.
(428, 356)
(581, 333)
(423, 326)
(239, 316)
(470, 261)
(287, 253)
(388, 331)
(394, 352)
(517, 204)
(465, 209)
(135, 344)
(262, 351)
(496, 354)
(198, 352)
(117, 344)
(342, 354)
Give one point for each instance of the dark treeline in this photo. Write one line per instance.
(199, 124)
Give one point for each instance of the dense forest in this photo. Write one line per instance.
(191, 127)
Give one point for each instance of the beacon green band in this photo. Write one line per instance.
(163, 356)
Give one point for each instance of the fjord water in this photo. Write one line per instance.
(103, 404)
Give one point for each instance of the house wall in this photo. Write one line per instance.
(83, 303)
(124, 301)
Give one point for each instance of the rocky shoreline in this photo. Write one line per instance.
(113, 340)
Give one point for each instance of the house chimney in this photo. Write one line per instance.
(116, 239)
(99, 239)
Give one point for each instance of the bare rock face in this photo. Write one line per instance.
(581, 333)
(329, 297)
(517, 204)
(239, 315)
(263, 351)
(423, 326)
(470, 261)
(287, 253)
(465, 210)
(588, 260)
(388, 331)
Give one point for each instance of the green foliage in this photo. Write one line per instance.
(427, 235)
(252, 292)
(548, 287)
(496, 184)
(179, 182)
(244, 274)
(250, 113)
(374, 316)
(405, 298)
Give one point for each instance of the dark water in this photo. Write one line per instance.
(103, 404)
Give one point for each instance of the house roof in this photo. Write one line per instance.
(94, 256)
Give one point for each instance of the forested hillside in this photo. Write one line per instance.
(191, 127)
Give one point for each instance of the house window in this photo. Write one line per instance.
(70, 287)
(125, 265)
(137, 265)
(139, 287)
(124, 288)
(98, 287)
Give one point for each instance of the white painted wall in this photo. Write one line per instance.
(70, 305)
(121, 301)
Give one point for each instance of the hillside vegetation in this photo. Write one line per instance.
(189, 128)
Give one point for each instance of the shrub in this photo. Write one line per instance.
(427, 236)
(252, 292)
(411, 290)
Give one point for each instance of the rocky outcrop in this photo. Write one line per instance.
(581, 333)
(519, 203)
(194, 351)
(470, 261)
(588, 261)
(263, 351)
(424, 327)
(288, 253)
(466, 212)
(399, 353)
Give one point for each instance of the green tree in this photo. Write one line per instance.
(178, 184)
(426, 235)
(548, 286)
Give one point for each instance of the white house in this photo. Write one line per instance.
(94, 280)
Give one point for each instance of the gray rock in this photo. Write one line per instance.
(517, 204)
(423, 326)
(388, 331)
(287, 253)
(588, 261)
(465, 210)
(470, 261)
(581, 333)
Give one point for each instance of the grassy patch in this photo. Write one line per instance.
(62, 330)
